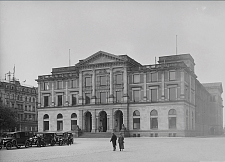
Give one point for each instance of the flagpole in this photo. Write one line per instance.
(69, 57)
(176, 44)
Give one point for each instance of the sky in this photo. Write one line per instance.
(36, 36)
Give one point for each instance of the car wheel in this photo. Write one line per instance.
(53, 143)
(27, 144)
(9, 146)
(18, 146)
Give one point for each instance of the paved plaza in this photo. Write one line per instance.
(139, 149)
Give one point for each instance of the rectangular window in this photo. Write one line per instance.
(87, 98)
(74, 83)
(154, 123)
(119, 79)
(73, 124)
(103, 80)
(172, 94)
(153, 95)
(59, 84)
(136, 95)
(154, 77)
(136, 78)
(59, 100)
(172, 122)
(46, 101)
(59, 125)
(136, 123)
(118, 96)
(46, 125)
(46, 86)
(74, 99)
(102, 97)
(172, 75)
(87, 81)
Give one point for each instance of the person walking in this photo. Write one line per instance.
(121, 142)
(113, 140)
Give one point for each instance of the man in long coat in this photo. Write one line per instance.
(113, 140)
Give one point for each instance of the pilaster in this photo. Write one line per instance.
(125, 95)
(163, 86)
(145, 88)
(80, 102)
(39, 94)
(111, 86)
(53, 96)
(93, 96)
(94, 128)
(182, 86)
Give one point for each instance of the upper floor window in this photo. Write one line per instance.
(87, 81)
(87, 98)
(46, 86)
(172, 93)
(118, 96)
(136, 95)
(172, 75)
(153, 94)
(60, 85)
(59, 100)
(74, 83)
(102, 97)
(119, 79)
(74, 99)
(153, 77)
(136, 78)
(46, 102)
(103, 81)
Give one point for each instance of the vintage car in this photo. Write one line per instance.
(46, 138)
(16, 139)
(61, 138)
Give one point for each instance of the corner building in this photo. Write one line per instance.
(105, 92)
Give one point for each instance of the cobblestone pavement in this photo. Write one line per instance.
(140, 149)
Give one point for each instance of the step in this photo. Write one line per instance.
(96, 135)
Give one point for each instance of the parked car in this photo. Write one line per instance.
(46, 138)
(16, 139)
(61, 138)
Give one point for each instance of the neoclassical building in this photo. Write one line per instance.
(105, 92)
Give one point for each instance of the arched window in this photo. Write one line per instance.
(154, 119)
(73, 121)
(136, 119)
(172, 117)
(46, 122)
(59, 122)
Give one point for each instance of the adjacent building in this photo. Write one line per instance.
(21, 99)
(107, 92)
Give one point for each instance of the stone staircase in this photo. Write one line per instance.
(97, 135)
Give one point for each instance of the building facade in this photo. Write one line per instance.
(106, 92)
(23, 100)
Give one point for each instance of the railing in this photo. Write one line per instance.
(57, 76)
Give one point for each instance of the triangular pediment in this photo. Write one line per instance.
(100, 57)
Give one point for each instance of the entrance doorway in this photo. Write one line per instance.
(118, 122)
(88, 121)
(102, 122)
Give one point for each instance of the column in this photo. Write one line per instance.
(145, 88)
(111, 86)
(81, 119)
(67, 102)
(125, 95)
(53, 96)
(80, 89)
(39, 94)
(182, 86)
(163, 86)
(94, 128)
(93, 96)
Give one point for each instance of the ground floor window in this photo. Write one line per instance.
(172, 122)
(154, 123)
(46, 125)
(73, 124)
(136, 123)
(59, 125)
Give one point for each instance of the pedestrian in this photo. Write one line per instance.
(121, 142)
(113, 140)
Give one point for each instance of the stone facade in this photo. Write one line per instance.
(23, 100)
(106, 92)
